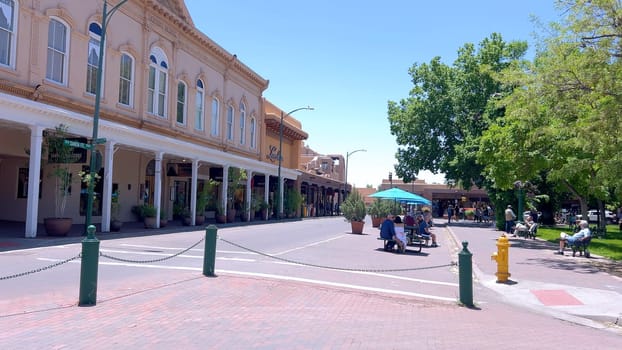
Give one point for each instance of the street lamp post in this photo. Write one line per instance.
(348, 154)
(90, 245)
(280, 195)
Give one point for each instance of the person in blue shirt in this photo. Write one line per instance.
(582, 234)
(387, 231)
(424, 231)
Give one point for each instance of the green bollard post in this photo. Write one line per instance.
(465, 272)
(88, 269)
(209, 256)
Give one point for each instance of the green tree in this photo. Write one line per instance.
(438, 126)
(563, 115)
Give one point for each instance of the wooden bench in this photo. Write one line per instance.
(415, 240)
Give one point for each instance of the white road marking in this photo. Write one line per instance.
(309, 245)
(278, 277)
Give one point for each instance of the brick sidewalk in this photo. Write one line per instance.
(229, 312)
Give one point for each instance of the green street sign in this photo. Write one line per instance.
(77, 144)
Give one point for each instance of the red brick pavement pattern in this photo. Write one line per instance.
(229, 312)
(555, 298)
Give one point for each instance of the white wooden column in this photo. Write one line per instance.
(225, 185)
(193, 192)
(249, 179)
(157, 191)
(107, 195)
(34, 177)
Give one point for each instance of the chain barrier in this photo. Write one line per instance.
(79, 256)
(453, 263)
(152, 260)
(41, 268)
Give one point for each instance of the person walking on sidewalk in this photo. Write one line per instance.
(509, 219)
(450, 213)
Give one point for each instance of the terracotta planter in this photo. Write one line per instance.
(357, 227)
(150, 222)
(376, 221)
(186, 221)
(221, 219)
(199, 220)
(57, 226)
(163, 223)
(115, 225)
(231, 215)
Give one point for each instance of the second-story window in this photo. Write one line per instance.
(58, 44)
(252, 131)
(181, 103)
(198, 112)
(157, 84)
(7, 32)
(215, 122)
(92, 62)
(126, 80)
(242, 123)
(230, 120)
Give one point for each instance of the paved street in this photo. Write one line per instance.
(308, 285)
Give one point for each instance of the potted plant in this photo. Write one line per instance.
(292, 202)
(212, 197)
(186, 220)
(378, 210)
(263, 208)
(148, 213)
(220, 214)
(115, 223)
(163, 218)
(235, 176)
(202, 199)
(59, 155)
(354, 211)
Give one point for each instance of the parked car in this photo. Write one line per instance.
(592, 216)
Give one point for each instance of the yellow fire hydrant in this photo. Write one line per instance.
(502, 258)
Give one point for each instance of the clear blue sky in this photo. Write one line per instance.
(348, 58)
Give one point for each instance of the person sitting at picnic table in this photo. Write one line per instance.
(424, 231)
(400, 235)
(387, 231)
(583, 233)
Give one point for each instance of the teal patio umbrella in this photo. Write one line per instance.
(401, 196)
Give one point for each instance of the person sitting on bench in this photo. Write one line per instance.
(424, 231)
(400, 235)
(387, 231)
(583, 233)
(521, 228)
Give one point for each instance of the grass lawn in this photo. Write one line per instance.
(609, 247)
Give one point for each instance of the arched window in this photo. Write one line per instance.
(8, 25)
(199, 101)
(252, 131)
(157, 84)
(126, 80)
(242, 123)
(181, 103)
(230, 121)
(58, 46)
(92, 62)
(215, 122)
